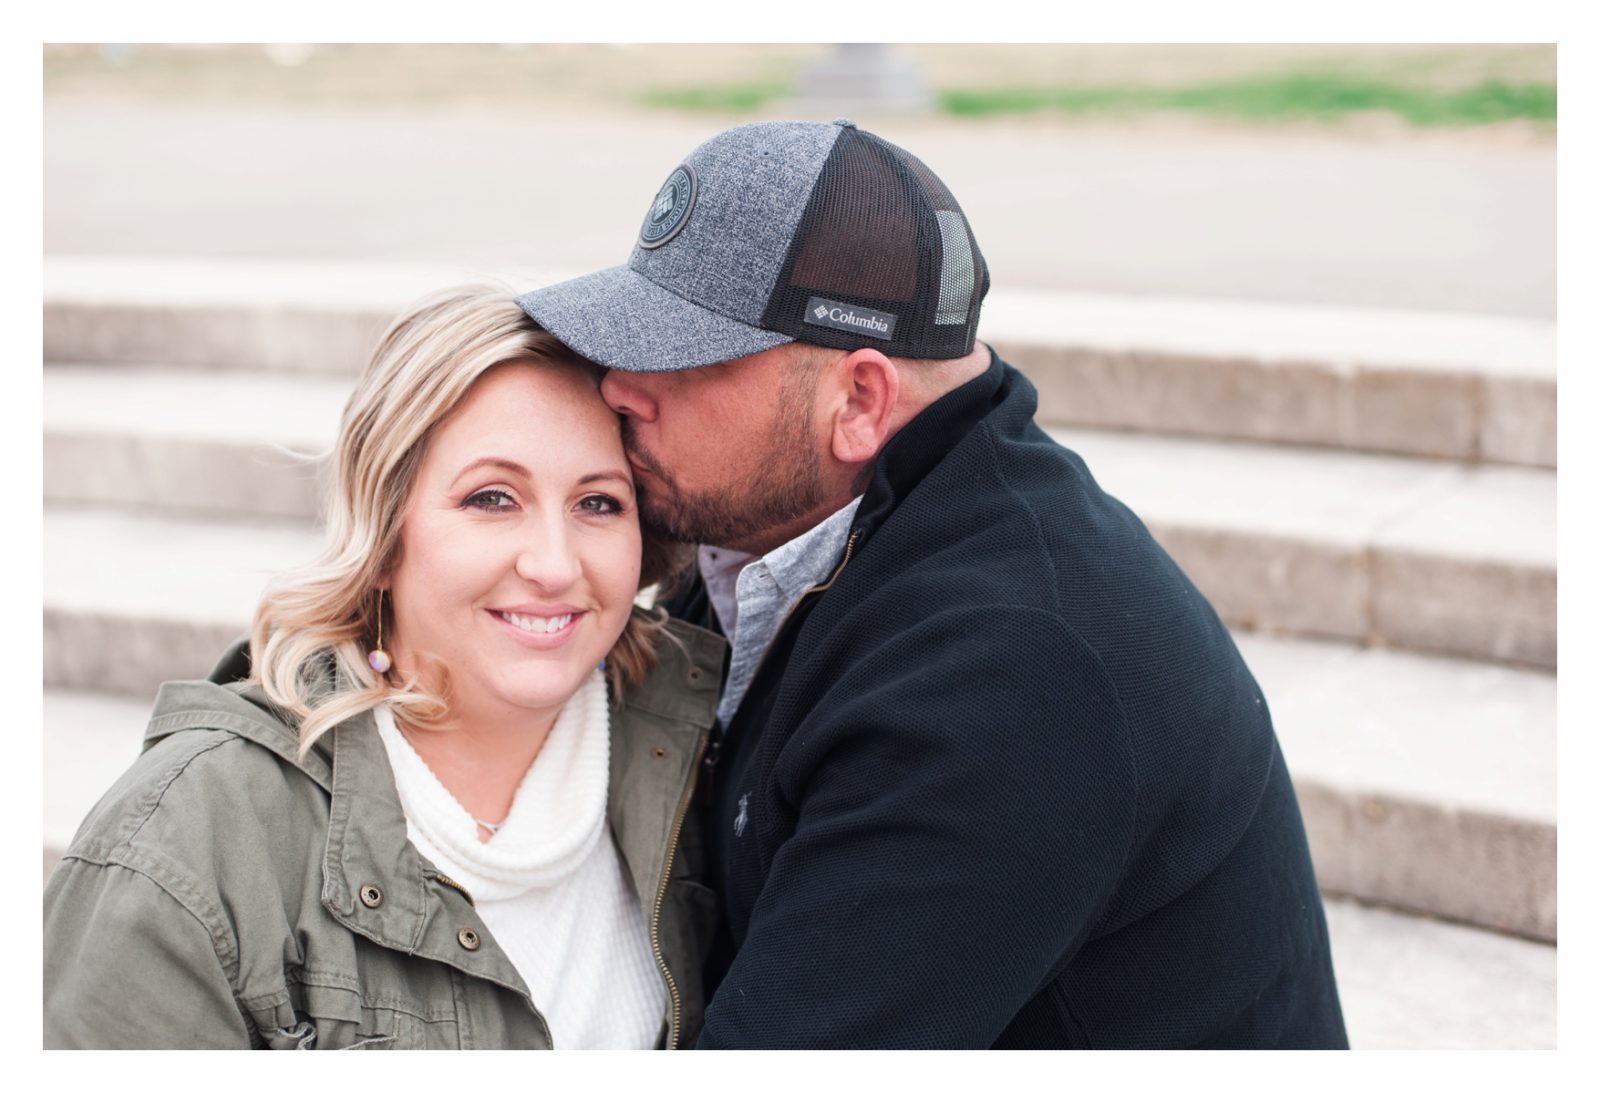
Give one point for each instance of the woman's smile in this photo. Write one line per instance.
(540, 630)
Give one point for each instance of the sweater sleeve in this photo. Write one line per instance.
(126, 965)
(959, 806)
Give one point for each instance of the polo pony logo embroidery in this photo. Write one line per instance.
(743, 818)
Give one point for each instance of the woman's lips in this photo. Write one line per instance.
(540, 631)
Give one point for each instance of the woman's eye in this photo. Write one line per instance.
(601, 504)
(489, 500)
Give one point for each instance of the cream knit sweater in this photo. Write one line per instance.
(549, 884)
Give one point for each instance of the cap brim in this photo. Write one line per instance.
(619, 319)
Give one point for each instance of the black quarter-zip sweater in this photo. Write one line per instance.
(1007, 781)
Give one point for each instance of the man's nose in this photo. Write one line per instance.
(625, 394)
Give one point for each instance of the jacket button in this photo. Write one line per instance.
(469, 939)
(371, 895)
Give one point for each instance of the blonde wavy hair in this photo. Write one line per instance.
(315, 624)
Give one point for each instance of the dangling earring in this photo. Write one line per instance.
(378, 658)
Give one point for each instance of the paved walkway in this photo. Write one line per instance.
(1431, 224)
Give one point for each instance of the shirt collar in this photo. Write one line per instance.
(795, 566)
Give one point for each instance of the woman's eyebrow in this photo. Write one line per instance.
(601, 476)
(491, 461)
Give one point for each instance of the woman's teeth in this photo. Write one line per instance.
(534, 624)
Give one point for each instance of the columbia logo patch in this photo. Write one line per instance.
(670, 210)
(851, 317)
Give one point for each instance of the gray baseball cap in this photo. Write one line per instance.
(777, 232)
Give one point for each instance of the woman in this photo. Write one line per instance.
(386, 823)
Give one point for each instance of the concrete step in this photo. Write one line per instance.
(1379, 549)
(134, 599)
(1405, 982)
(1463, 387)
(1473, 388)
(90, 738)
(1427, 783)
(234, 442)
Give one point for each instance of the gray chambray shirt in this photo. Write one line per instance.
(752, 596)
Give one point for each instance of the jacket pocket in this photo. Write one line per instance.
(334, 1018)
(299, 1036)
(314, 1033)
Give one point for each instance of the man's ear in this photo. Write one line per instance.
(868, 389)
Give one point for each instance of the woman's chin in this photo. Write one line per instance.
(545, 690)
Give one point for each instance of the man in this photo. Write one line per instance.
(989, 771)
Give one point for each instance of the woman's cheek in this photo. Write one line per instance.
(625, 568)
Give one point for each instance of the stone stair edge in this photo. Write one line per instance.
(164, 385)
(1205, 327)
(1467, 387)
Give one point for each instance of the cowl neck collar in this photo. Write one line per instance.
(557, 815)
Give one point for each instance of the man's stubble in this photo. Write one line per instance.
(777, 485)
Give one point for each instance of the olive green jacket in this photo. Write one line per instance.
(226, 894)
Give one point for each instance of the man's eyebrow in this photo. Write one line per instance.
(492, 461)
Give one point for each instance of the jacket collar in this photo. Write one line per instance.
(225, 700)
(927, 438)
(657, 732)
(421, 910)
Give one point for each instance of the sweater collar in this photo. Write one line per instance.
(557, 813)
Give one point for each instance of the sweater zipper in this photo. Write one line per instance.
(714, 753)
(661, 897)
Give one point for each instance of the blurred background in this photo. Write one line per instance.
(1293, 303)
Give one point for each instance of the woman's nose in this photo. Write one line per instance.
(548, 559)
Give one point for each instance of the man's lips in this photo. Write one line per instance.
(645, 464)
(638, 458)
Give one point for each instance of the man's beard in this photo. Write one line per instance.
(782, 484)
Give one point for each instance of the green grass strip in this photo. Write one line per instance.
(1292, 97)
(1279, 98)
(726, 98)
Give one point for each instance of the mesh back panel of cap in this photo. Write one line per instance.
(882, 233)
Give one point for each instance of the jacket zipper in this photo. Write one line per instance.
(447, 882)
(714, 753)
(849, 549)
(661, 897)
